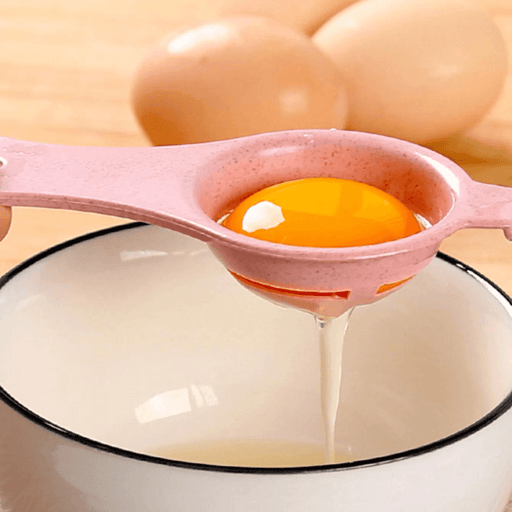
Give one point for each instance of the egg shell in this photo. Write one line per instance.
(420, 70)
(234, 77)
(5, 221)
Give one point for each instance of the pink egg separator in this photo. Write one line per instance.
(187, 188)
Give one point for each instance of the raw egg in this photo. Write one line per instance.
(323, 212)
(234, 77)
(420, 70)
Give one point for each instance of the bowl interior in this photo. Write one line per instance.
(140, 339)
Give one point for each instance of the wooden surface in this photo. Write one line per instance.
(66, 71)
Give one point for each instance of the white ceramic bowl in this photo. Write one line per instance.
(136, 337)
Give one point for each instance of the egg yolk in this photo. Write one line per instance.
(323, 212)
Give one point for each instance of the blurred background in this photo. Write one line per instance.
(67, 72)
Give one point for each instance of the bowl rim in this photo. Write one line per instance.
(58, 430)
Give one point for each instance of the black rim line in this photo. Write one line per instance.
(10, 401)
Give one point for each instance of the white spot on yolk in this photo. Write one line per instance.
(262, 215)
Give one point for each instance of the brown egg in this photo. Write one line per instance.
(234, 77)
(420, 70)
(5, 221)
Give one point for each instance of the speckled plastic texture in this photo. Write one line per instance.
(186, 188)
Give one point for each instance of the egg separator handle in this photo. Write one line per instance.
(486, 206)
(151, 184)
